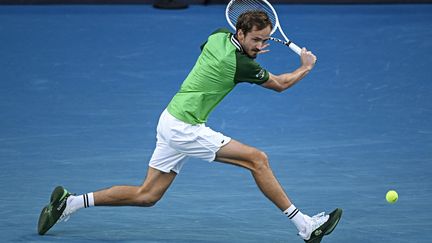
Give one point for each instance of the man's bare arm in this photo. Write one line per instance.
(284, 81)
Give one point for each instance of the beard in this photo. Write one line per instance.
(252, 53)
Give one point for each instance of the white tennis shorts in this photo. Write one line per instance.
(177, 141)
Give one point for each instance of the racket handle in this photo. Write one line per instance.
(295, 48)
(289, 43)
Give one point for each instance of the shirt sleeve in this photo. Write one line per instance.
(248, 70)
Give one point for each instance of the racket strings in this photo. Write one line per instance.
(240, 6)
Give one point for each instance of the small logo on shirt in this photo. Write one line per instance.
(260, 75)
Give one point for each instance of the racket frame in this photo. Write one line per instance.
(286, 42)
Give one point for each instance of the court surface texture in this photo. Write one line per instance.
(82, 88)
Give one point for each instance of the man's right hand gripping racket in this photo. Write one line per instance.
(236, 7)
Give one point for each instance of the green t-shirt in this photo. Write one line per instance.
(221, 65)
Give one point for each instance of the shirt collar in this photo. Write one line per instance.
(236, 43)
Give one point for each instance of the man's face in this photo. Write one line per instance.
(253, 41)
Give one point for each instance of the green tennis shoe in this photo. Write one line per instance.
(326, 228)
(53, 211)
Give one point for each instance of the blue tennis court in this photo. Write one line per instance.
(82, 87)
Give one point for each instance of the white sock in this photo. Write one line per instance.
(296, 217)
(82, 201)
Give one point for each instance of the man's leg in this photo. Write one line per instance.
(62, 203)
(256, 161)
(153, 188)
(311, 229)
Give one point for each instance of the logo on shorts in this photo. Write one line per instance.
(223, 141)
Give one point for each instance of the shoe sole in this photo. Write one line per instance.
(327, 227)
(46, 220)
(337, 214)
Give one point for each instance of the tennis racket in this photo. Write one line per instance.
(237, 7)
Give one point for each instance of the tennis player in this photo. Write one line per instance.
(226, 60)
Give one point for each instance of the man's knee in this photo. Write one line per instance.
(147, 198)
(260, 161)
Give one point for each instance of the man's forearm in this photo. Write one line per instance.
(289, 79)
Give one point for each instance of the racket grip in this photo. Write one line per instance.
(295, 48)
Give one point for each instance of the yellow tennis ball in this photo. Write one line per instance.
(392, 196)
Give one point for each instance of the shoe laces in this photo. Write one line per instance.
(314, 223)
(68, 211)
(317, 220)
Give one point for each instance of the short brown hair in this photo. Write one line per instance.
(247, 20)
